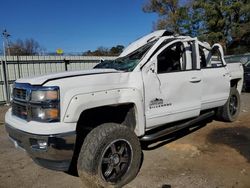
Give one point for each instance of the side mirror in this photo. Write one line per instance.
(152, 69)
(152, 66)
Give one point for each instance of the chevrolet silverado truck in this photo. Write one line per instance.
(95, 120)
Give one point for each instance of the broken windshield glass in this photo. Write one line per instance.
(127, 63)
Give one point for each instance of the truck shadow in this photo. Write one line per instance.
(173, 136)
(234, 137)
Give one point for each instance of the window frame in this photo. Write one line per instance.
(210, 55)
(191, 42)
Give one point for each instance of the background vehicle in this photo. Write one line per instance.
(96, 119)
(246, 84)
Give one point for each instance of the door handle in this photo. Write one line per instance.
(194, 80)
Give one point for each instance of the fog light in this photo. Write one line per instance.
(39, 144)
(42, 144)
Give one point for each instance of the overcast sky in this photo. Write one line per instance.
(75, 25)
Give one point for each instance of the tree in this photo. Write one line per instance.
(173, 15)
(102, 51)
(116, 50)
(223, 21)
(26, 47)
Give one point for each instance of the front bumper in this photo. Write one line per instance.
(50, 151)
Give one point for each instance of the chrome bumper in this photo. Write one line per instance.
(50, 151)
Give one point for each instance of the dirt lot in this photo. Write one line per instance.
(217, 155)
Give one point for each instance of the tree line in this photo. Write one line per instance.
(223, 21)
(32, 47)
(24, 47)
(102, 51)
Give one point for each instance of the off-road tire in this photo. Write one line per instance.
(98, 148)
(230, 111)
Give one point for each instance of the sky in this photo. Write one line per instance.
(76, 25)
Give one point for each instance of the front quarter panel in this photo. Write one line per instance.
(82, 102)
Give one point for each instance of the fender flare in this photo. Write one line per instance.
(82, 102)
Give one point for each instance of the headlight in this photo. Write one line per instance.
(44, 95)
(45, 103)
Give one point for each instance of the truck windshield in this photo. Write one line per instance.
(127, 63)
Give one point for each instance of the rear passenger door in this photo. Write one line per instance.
(215, 77)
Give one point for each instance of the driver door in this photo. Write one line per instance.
(172, 85)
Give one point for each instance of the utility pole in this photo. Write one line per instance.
(6, 46)
(6, 35)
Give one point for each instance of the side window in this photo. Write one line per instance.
(216, 60)
(171, 59)
(213, 59)
(203, 61)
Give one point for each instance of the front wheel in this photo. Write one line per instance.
(110, 156)
(230, 111)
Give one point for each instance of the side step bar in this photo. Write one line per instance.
(164, 132)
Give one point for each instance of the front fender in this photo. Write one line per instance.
(82, 102)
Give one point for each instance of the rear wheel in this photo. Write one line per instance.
(230, 111)
(110, 156)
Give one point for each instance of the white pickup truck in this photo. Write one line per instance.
(94, 120)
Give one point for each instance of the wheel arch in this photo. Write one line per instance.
(123, 113)
(124, 103)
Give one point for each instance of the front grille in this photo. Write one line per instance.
(19, 93)
(19, 110)
(20, 97)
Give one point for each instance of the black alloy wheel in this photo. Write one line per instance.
(229, 112)
(116, 160)
(233, 105)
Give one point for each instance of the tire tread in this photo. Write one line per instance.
(93, 145)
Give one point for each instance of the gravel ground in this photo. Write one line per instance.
(216, 155)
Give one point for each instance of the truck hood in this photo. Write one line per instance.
(40, 80)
